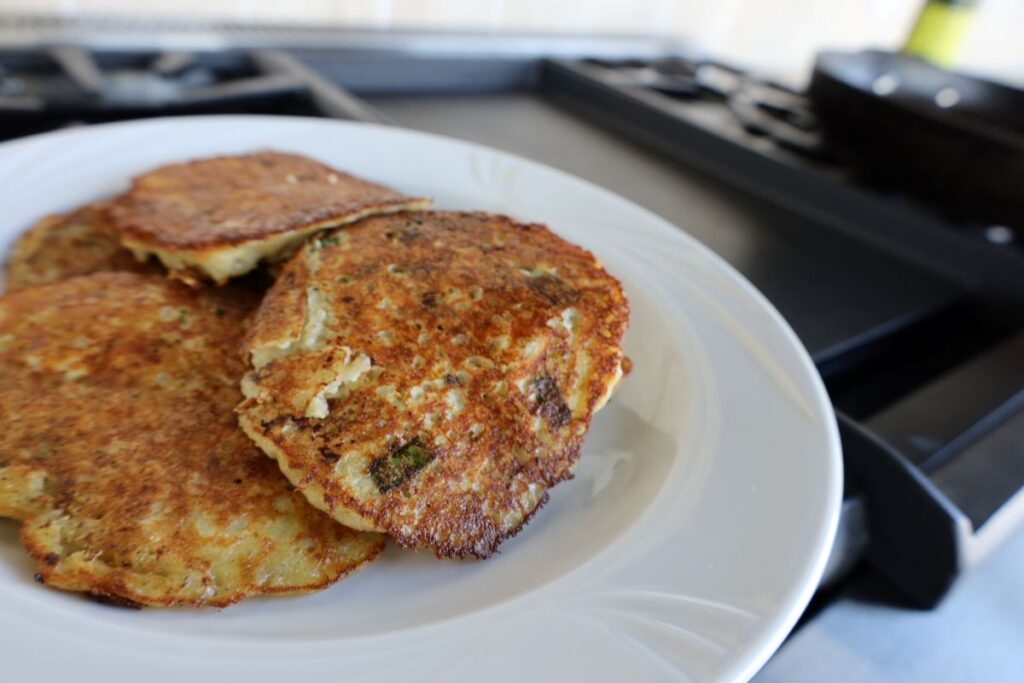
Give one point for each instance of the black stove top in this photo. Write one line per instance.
(775, 122)
(914, 321)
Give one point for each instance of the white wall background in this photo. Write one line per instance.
(780, 36)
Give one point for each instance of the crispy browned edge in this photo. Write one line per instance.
(118, 593)
(317, 222)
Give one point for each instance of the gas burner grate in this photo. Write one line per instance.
(66, 85)
(760, 107)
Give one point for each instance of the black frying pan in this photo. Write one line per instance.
(908, 124)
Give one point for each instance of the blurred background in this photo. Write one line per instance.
(779, 37)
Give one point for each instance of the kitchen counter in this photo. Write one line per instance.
(976, 634)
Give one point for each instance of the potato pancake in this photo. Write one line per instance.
(121, 455)
(431, 375)
(64, 245)
(219, 217)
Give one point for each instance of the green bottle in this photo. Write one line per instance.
(939, 30)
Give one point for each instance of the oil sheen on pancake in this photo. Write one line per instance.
(219, 217)
(432, 375)
(120, 452)
(64, 245)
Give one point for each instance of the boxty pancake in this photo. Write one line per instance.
(120, 451)
(219, 217)
(432, 375)
(64, 245)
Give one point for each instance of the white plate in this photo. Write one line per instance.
(687, 545)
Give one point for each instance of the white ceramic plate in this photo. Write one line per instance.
(687, 545)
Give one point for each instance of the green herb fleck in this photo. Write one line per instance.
(553, 290)
(548, 402)
(399, 465)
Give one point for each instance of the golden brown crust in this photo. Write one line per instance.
(120, 452)
(491, 342)
(229, 200)
(64, 245)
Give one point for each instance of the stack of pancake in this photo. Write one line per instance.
(423, 375)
